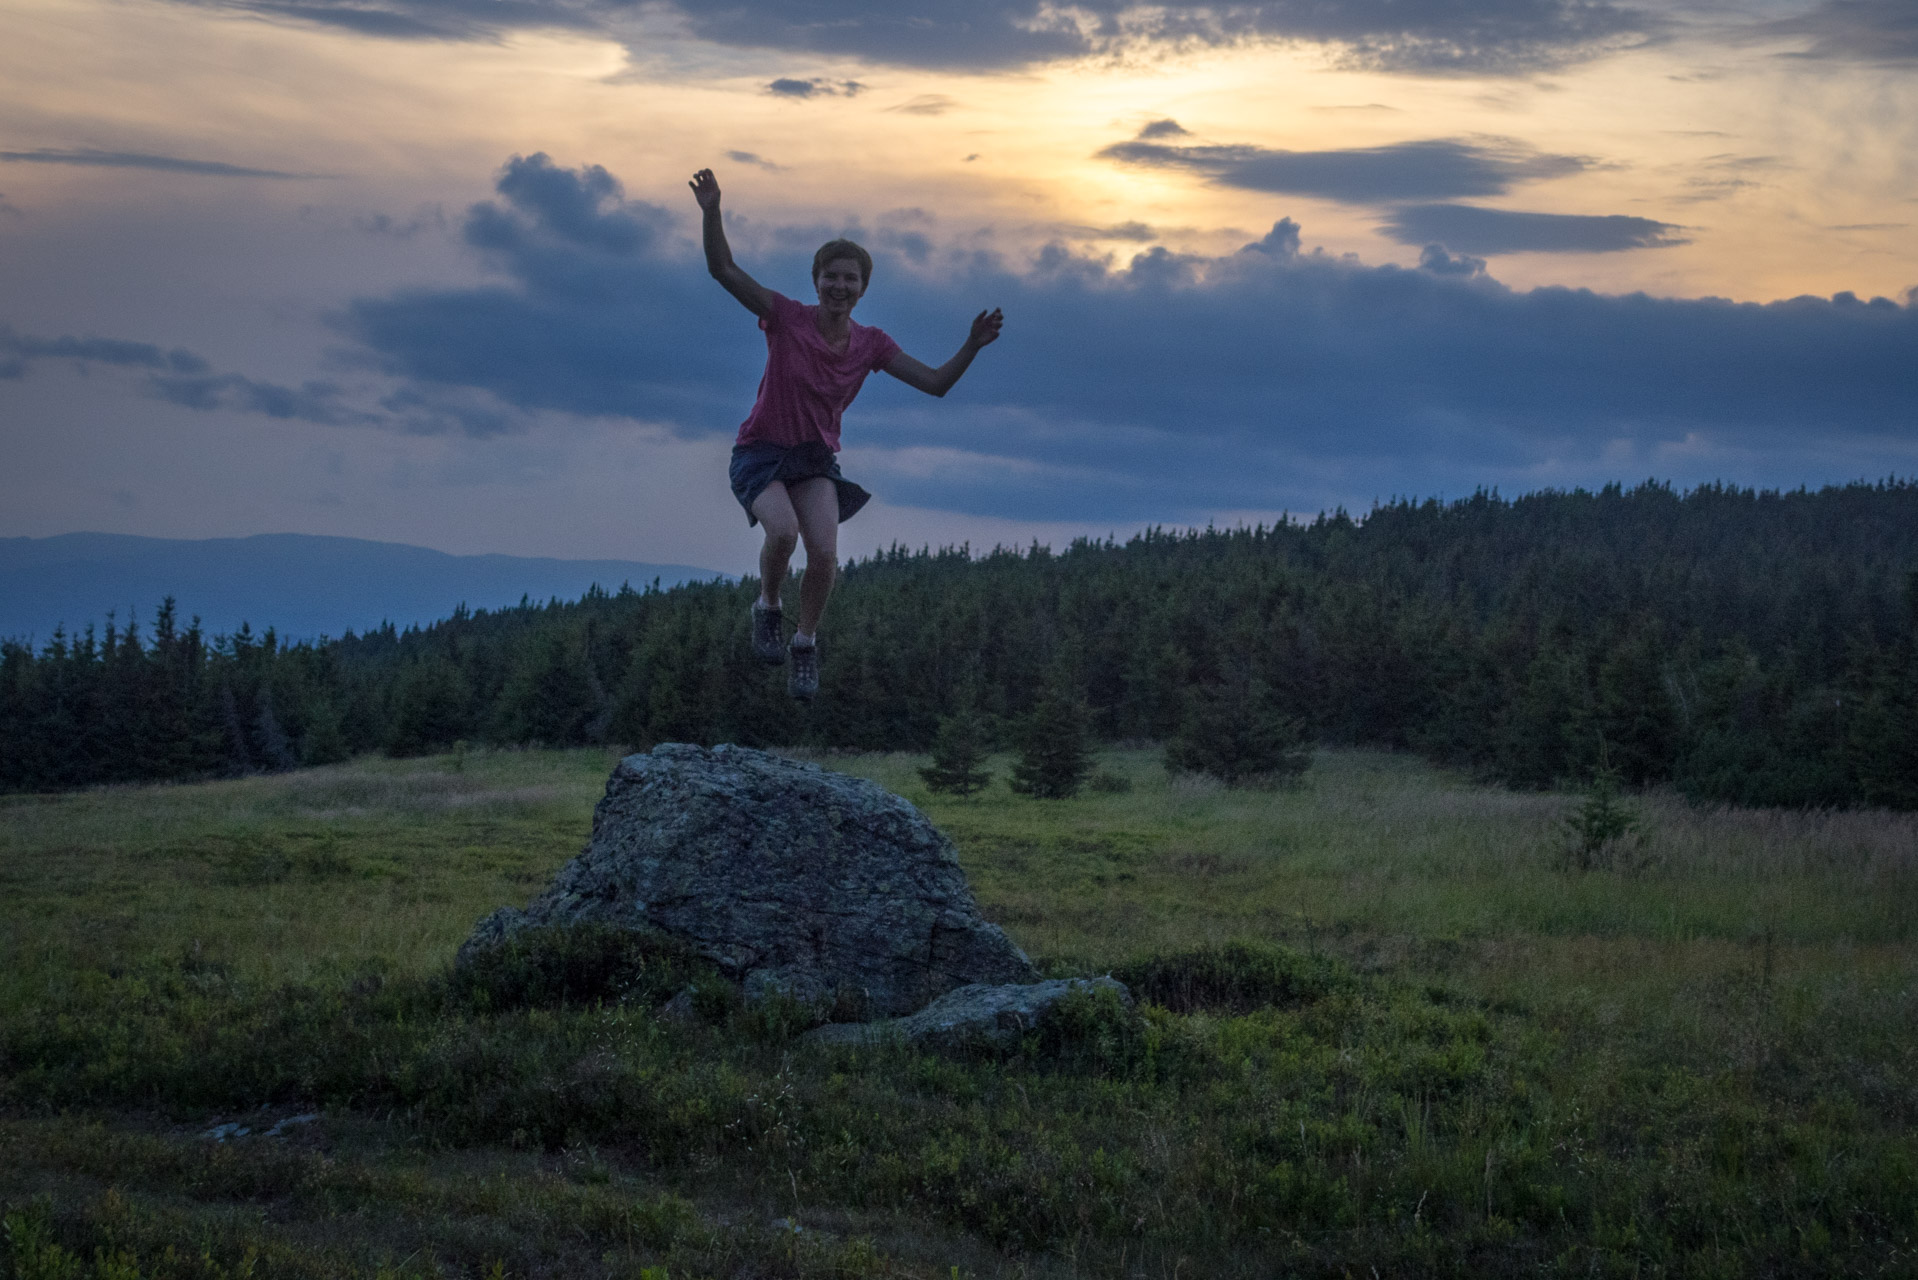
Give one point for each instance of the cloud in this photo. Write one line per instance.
(433, 19)
(1719, 177)
(926, 104)
(1479, 230)
(314, 401)
(815, 88)
(586, 208)
(1166, 387)
(427, 218)
(1424, 37)
(1496, 37)
(1138, 232)
(586, 280)
(1164, 129)
(1435, 259)
(752, 158)
(183, 378)
(1437, 168)
(1883, 32)
(17, 349)
(142, 160)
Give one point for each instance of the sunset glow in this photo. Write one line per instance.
(250, 182)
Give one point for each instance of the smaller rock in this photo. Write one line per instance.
(279, 1130)
(679, 1009)
(979, 1014)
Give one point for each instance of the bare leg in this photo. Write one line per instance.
(774, 509)
(816, 504)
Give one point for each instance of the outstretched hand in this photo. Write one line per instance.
(985, 327)
(705, 189)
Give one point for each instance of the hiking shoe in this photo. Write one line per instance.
(767, 641)
(803, 682)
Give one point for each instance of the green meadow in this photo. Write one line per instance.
(1384, 1028)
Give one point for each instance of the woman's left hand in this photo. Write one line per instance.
(985, 327)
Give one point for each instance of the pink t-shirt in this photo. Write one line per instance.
(807, 384)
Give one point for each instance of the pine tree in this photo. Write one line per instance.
(549, 697)
(431, 708)
(275, 747)
(1882, 732)
(1053, 759)
(325, 739)
(1634, 711)
(957, 753)
(1236, 731)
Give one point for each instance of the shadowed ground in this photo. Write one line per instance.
(1441, 1052)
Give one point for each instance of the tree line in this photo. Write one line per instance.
(1753, 647)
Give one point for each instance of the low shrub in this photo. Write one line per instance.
(1091, 1032)
(571, 965)
(1235, 978)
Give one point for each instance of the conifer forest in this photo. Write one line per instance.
(1749, 647)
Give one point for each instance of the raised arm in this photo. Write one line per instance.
(754, 296)
(936, 382)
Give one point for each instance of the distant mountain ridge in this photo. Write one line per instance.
(303, 586)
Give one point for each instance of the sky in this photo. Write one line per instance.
(427, 271)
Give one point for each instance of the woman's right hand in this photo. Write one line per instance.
(705, 189)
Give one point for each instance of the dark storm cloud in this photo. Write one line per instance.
(1872, 31)
(1438, 168)
(1472, 229)
(1162, 389)
(1484, 37)
(142, 160)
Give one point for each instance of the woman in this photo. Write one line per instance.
(783, 469)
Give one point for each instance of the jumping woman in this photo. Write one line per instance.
(783, 470)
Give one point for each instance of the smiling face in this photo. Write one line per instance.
(841, 284)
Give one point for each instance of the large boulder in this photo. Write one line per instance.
(823, 886)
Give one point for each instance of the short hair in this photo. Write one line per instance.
(833, 250)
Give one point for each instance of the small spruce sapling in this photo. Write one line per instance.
(1053, 759)
(1604, 832)
(957, 754)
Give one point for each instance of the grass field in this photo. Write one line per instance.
(1402, 1037)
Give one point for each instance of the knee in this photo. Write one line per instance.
(822, 553)
(781, 541)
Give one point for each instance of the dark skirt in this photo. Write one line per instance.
(758, 464)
